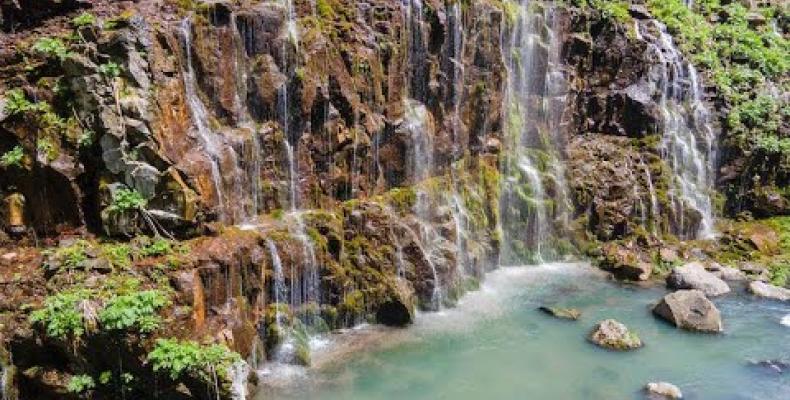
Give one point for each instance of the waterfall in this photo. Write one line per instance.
(239, 373)
(197, 110)
(5, 390)
(422, 164)
(280, 288)
(535, 198)
(253, 172)
(688, 141)
(651, 190)
(417, 53)
(460, 219)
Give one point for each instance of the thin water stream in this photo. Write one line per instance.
(496, 345)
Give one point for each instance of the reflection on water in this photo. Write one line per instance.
(495, 345)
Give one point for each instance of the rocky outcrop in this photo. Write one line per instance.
(613, 335)
(695, 276)
(690, 310)
(768, 291)
(663, 390)
(624, 262)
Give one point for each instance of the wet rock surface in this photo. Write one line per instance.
(690, 310)
(695, 276)
(663, 390)
(769, 291)
(561, 312)
(613, 335)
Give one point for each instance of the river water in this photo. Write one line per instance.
(496, 345)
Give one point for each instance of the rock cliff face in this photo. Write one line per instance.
(321, 164)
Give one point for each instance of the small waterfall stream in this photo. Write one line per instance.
(421, 170)
(651, 190)
(688, 141)
(535, 198)
(200, 118)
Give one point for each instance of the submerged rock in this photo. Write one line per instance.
(562, 313)
(690, 310)
(768, 291)
(694, 276)
(777, 366)
(613, 335)
(664, 390)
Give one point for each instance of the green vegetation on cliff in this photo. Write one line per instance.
(747, 58)
(177, 358)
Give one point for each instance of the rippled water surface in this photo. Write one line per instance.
(495, 345)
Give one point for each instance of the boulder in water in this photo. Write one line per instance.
(562, 313)
(663, 390)
(768, 291)
(690, 310)
(694, 276)
(613, 335)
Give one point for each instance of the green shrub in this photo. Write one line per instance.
(47, 147)
(126, 200)
(617, 10)
(51, 47)
(61, 316)
(118, 255)
(157, 247)
(138, 311)
(17, 102)
(13, 157)
(72, 256)
(84, 19)
(177, 358)
(110, 70)
(80, 384)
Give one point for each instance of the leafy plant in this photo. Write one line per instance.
(134, 311)
(617, 10)
(80, 384)
(46, 147)
(13, 157)
(119, 255)
(84, 19)
(72, 256)
(176, 358)
(110, 70)
(17, 102)
(126, 200)
(86, 138)
(158, 247)
(51, 47)
(61, 316)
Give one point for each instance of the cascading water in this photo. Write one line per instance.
(651, 191)
(239, 373)
(455, 45)
(199, 116)
(5, 379)
(689, 141)
(421, 169)
(418, 69)
(309, 285)
(280, 289)
(534, 193)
